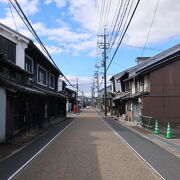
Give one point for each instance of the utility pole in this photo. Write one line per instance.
(92, 96)
(77, 105)
(96, 76)
(104, 45)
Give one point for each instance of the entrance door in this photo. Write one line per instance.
(9, 118)
(136, 112)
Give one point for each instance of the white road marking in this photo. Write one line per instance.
(39, 151)
(134, 150)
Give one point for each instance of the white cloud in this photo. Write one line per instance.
(166, 23)
(59, 3)
(29, 7)
(54, 49)
(85, 12)
(72, 42)
(3, 1)
(84, 45)
(13, 20)
(60, 34)
(85, 84)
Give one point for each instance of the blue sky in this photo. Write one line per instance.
(68, 28)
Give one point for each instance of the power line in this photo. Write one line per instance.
(31, 29)
(118, 10)
(12, 16)
(107, 11)
(101, 15)
(121, 22)
(124, 33)
(150, 27)
(138, 47)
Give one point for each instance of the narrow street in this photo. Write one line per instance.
(87, 150)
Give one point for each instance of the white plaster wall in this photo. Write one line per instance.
(7, 35)
(117, 85)
(112, 85)
(133, 87)
(146, 83)
(2, 114)
(20, 53)
(21, 44)
(60, 83)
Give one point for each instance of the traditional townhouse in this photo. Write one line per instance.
(28, 86)
(151, 89)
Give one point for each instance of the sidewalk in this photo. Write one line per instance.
(7, 150)
(171, 145)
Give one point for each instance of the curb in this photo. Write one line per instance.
(151, 136)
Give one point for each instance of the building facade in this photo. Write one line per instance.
(150, 90)
(29, 94)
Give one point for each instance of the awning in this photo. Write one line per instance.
(51, 93)
(18, 87)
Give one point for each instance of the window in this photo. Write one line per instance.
(128, 86)
(42, 76)
(28, 64)
(8, 48)
(51, 81)
(129, 106)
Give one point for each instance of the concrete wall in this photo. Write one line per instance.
(2, 114)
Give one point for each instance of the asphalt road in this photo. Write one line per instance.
(87, 150)
(10, 165)
(165, 163)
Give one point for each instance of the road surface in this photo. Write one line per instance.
(87, 150)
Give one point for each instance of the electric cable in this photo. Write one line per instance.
(29, 26)
(124, 33)
(150, 27)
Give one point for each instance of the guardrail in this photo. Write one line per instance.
(145, 121)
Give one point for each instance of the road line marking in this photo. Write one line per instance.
(134, 150)
(40, 151)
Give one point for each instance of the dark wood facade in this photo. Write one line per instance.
(151, 90)
(164, 99)
(32, 97)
